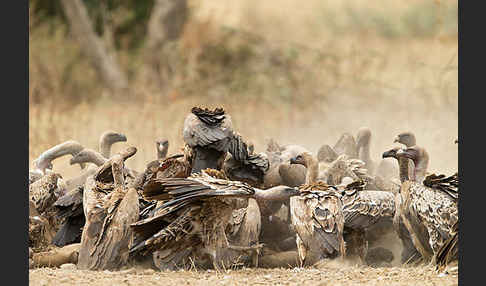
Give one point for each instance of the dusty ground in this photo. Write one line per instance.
(326, 275)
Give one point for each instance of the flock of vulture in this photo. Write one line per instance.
(218, 204)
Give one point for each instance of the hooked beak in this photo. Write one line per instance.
(396, 139)
(387, 154)
(293, 191)
(122, 137)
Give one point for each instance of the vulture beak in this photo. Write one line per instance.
(388, 154)
(396, 139)
(72, 161)
(293, 191)
(122, 137)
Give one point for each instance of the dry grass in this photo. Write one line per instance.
(326, 275)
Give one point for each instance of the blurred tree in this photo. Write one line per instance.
(166, 24)
(92, 46)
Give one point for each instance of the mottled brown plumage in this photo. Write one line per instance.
(192, 220)
(433, 206)
(360, 209)
(318, 220)
(110, 207)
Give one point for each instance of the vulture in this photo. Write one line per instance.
(43, 193)
(362, 210)
(107, 139)
(432, 201)
(317, 216)
(409, 252)
(193, 219)
(209, 133)
(43, 163)
(110, 206)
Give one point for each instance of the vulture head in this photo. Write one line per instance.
(107, 139)
(392, 153)
(303, 159)
(111, 137)
(405, 138)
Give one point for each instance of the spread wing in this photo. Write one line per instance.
(179, 198)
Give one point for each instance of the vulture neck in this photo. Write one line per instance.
(421, 165)
(403, 164)
(105, 147)
(96, 158)
(364, 152)
(68, 147)
(161, 154)
(312, 169)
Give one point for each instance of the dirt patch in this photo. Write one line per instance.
(329, 274)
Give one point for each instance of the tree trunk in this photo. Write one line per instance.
(166, 24)
(92, 46)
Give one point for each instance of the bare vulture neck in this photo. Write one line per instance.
(68, 147)
(105, 147)
(403, 164)
(364, 152)
(95, 158)
(421, 165)
(161, 154)
(312, 169)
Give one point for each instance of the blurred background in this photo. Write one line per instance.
(301, 72)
